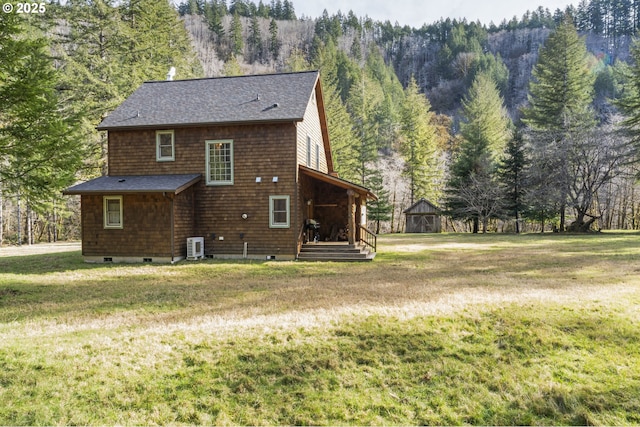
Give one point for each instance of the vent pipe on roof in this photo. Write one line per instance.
(171, 73)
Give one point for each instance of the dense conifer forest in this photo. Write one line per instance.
(476, 117)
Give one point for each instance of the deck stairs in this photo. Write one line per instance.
(324, 251)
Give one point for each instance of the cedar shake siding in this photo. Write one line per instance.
(146, 230)
(264, 151)
(183, 221)
(146, 227)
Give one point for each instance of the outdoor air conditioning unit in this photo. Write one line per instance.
(195, 248)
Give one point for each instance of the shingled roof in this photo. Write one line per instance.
(225, 100)
(135, 184)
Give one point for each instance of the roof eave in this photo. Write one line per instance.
(203, 124)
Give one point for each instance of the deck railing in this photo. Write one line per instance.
(367, 237)
(301, 237)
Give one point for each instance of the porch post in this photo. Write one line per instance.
(352, 217)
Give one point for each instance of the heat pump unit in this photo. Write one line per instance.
(195, 248)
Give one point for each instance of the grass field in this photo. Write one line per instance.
(439, 329)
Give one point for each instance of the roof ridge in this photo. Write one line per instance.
(234, 77)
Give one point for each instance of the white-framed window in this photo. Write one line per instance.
(165, 146)
(317, 156)
(308, 151)
(112, 211)
(279, 212)
(219, 158)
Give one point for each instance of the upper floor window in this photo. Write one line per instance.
(219, 159)
(112, 211)
(308, 151)
(317, 156)
(165, 146)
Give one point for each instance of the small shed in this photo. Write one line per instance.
(423, 217)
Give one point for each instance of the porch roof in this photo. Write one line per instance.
(338, 182)
(135, 184)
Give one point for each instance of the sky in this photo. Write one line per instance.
(417, 12)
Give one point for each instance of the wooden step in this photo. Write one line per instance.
(335, 252)
(320, 249)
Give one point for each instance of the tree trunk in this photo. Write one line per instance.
(28, 226)
(55, 222)
(1, 217)
(393, 211)
(18, 221)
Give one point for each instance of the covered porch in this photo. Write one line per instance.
(334, 211)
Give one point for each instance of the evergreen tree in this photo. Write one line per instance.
(213, 13)
(255, 40)
(364, 97)
(493, 66)
(356, 50)
(630, 102)
(562, 88)
(263, 10)
(297, 61)
(485, 121)
(240, 7)
(511, 176)
(560, 97)
(484, 131)
(340, 128)
(95, 76)
(274, 42)
(276, 9)
(40, 148)
(379, 210)
(232, 67)
(387, 113)
(157, 40)
(288, 12)
(418, 144)
(235, 35)
(109, 49)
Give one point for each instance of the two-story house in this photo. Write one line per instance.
(243, 162)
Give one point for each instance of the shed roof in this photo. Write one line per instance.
(223, 100)
(135, 184)
(422, 206)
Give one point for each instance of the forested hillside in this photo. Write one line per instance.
(401, 102)
(377, 69)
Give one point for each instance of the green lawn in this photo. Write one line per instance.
(439, 329)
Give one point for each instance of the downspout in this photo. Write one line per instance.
(173, 236)
(296, 199)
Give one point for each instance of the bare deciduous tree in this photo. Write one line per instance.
(481, 198)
